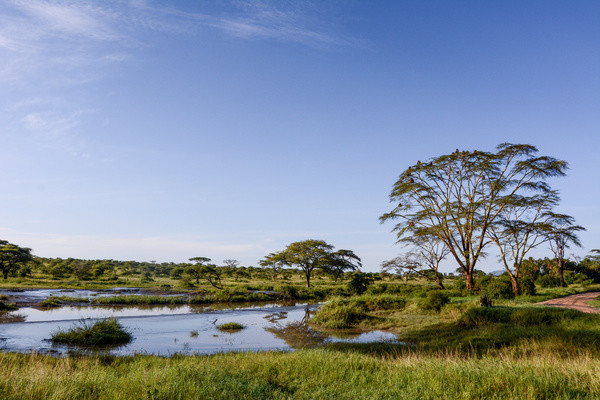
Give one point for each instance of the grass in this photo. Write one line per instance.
(305, 374)
(144, 300)
(4, 306)
(101, 333)
(231, 326)
(50, 302)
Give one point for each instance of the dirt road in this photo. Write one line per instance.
(576, 302)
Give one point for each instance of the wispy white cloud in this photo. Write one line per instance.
(48, 47)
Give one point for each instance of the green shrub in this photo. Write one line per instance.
(359, 283)
(527, 285)
(548, 281)
(499, 288)
(105, 332)
(381, 302)
(339, 313)
(288, 292)
(434, 301)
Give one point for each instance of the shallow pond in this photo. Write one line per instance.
(166, 330)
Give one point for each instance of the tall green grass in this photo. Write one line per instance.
(305, 374)
(100, 333)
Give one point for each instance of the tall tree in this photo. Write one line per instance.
(307, 255)
(457, 197)
(12, 257)
(561, 235)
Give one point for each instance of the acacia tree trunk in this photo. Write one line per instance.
(438, 280)
(560, 272)
(470, 281)
(307, 274)
(515, 284)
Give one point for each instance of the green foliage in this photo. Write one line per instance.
(380, 302)
(8, 306)
(101, 333)
(50, 302)
(359, 283)
(499, 288)
(435, 301)
(339, 313)
(548, 280)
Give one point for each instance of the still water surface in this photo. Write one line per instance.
(166, 330)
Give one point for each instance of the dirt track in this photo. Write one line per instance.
(575, 302)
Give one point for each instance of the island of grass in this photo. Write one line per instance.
(105, 332)
(230, 326)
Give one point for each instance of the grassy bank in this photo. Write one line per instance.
(307, 374)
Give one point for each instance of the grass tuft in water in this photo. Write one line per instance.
(101, 333)
(8, 306)
(231, 326)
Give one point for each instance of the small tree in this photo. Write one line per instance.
(522, 225)
(203, 270)
(274, 262)
(307, 255)
(561, 234)
(12, 257)
(341, 261)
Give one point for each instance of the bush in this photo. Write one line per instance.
(338, 313)
(381, 302)
(105, 332)
(434, 301)
(527, 285)
(359, 283)
(548, 281)
(499, 288)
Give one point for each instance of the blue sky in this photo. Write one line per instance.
(164, 130)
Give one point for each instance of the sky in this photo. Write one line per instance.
(164, 130)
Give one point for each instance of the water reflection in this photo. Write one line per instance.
(170, 329)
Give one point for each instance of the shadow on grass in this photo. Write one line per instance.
(481, 331)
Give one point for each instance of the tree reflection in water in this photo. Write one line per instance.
(296, 334)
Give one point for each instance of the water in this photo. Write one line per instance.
(167, 330)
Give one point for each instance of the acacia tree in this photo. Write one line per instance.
(203, 270)
(12, 257)
(423, 260)
(522, 225)
(340, 262)
(457, 197)
(274, 262)
(562, 233)
(307, 255)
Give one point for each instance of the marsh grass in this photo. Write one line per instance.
(231, 326)
(100, 333)
(4, 306)
(50, 302)
(139, 299)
